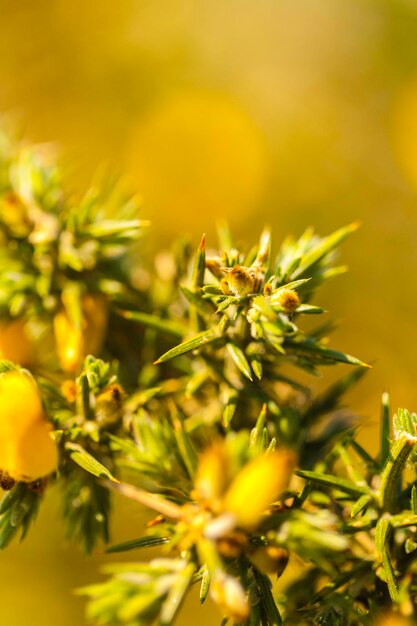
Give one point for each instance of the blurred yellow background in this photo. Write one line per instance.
(291, 113)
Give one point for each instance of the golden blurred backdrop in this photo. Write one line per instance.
(292, 113)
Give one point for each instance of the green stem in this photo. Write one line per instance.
(150, 500)
(391, 473)
(198, 282)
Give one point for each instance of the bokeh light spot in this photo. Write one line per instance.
(404, 130)
(197, 155)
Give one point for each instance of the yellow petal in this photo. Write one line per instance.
(212, 476)
(35, 454)
(96, 311)
(20, 404)
(27, 451)
(15, 344)
(69, 341)
(74, 342)
(258, 485)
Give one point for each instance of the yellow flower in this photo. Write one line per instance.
(212, 477)
(247, 494)
(258, 485)
(15, 344)
(69, 340)
(27, 450)
(75, 341)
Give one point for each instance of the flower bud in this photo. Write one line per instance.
(241, 280)
(288, 299)
(109, 406)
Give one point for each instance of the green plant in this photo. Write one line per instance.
(195, 405)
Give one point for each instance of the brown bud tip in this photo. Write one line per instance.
(288, 299)
(6, 481)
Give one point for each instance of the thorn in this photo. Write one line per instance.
(355, 225)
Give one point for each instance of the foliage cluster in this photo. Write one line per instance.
(183, 385)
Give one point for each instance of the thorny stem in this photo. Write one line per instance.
(391, 473)
(152, 501)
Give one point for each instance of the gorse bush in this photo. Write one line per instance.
(182, 386)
